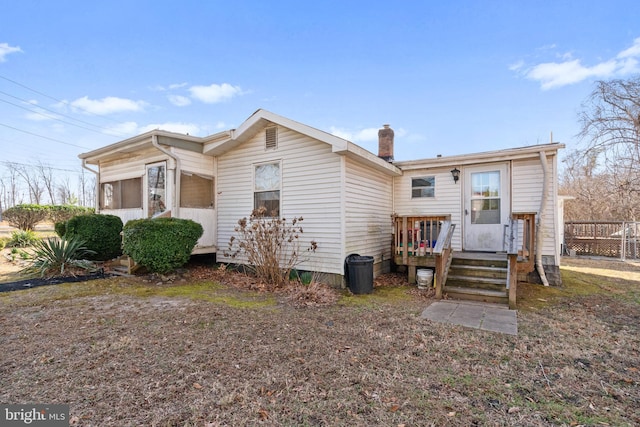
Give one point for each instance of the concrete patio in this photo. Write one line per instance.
(484, 316)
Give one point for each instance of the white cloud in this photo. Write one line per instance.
(555, 74)
(177, 85)
(221, 125)
(633, 51)
(517, 66)
(214, 93)
(5, 50)
(362, 135)
(570, 71)
(122, 129)
(108, 105)
(179, 100)
(184, 128)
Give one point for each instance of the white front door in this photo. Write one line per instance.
(486, 207)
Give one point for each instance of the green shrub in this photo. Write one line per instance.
(53, 256)
(22, 239)
(25, 217)
(60, 228)
(101, 234)
(63, 213)
(3, 242)
(162, 244)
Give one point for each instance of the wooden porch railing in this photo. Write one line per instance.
(443, 254)
(424, 241)
(523, 226)
(417, 234)
(511, 246)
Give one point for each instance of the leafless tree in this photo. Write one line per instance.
(33, 182)
(48, 180)
(87, 189)
(12, 185)
(610, 128)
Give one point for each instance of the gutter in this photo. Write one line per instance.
(97, 189)
(175, 201)
(543, 207)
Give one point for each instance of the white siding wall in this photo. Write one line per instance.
(311, 188)
(368, 210)
(447, 200)
(527, 180)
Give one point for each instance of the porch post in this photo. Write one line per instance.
(513, 280)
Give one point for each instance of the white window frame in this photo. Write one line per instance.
(431, 178)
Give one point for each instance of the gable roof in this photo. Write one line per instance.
(141, 142)
(222, 142)
(219, 144)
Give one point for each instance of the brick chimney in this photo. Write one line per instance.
(385, 143)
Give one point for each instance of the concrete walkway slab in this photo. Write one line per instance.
(484, 316)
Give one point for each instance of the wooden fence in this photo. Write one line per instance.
(619, 239)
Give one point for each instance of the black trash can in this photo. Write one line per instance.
(360, 274)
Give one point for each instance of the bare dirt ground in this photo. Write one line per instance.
(210, 348)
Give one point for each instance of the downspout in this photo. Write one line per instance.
(543, 207)
(97, 189)
(176, 192)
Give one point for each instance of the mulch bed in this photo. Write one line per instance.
(43, 281)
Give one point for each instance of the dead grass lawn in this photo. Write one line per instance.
(208, 351)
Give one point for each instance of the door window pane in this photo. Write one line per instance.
(485, 198)
(156, 185)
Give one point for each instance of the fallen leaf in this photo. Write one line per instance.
(452, 414)
(263, 414)
(394, 408)
(514, 409)
(197, 386)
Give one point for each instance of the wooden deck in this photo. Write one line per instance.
(425, 241)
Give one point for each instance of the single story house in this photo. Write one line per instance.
(352, 200)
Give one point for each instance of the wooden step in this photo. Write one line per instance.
(489, 283)
(478, 271)
(480, 262)
(474, 294)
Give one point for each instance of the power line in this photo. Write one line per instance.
(49, 116)
(47, 166)
(44, 137)
(54, 98)
(56, 113)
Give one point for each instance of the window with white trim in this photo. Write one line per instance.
(266, 189)
(423, 187)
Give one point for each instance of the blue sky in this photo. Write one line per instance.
(450, 77)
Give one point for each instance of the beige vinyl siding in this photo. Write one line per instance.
(447, 200)
(194, 162)
(527, 180)
(310, 187)
(368, 210)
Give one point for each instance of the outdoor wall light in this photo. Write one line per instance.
(455, 173)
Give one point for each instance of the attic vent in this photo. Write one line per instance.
(271, 138)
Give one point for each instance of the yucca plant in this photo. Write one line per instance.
(54, 256)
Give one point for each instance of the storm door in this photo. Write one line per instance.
(486, 207)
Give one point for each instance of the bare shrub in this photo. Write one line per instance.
(270, 245)
(314, 294)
